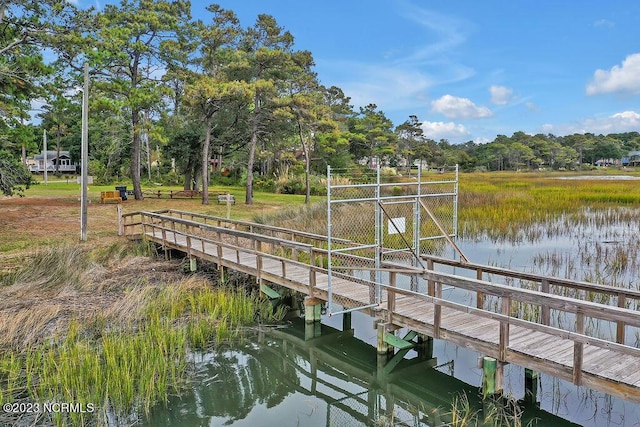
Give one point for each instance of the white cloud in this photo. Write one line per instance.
(501, 95)
(626, 121)
(453, 107)
(622, 79)
(439, 130)
(604, 23)
(482, 140)
(627, 118)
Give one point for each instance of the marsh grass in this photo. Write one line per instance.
(517, 207)
(496, 412)
(123, 356)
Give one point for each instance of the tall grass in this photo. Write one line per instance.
(516, 207)
(497, 412)
(127, 356)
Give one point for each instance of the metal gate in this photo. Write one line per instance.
(375, 219)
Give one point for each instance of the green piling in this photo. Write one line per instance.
(489, 368)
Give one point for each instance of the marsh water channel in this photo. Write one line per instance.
(273, 377)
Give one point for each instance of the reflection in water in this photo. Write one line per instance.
(277, 378)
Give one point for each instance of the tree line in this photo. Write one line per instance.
(172, 96)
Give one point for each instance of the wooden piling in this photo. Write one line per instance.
(489, 368)
(382, 346)
(312, 310)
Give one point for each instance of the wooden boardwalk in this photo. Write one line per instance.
(493, 324)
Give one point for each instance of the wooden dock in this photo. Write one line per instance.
(492, 325)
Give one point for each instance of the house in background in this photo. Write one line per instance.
(634, 158)
(61, 163)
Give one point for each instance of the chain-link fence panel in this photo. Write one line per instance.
(376, 220)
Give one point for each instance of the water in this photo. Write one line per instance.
(276, 378)
(279, 379)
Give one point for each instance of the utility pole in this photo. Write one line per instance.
(84, 154)
(44, 143)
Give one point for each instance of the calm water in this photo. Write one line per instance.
(276, 378)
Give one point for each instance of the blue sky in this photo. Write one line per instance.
(470, 69)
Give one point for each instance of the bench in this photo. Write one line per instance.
(110, 196)
(226, 198)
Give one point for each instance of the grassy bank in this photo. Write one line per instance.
(110, 331)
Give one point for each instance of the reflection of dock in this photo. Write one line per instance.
(343, 371)
(493, 324)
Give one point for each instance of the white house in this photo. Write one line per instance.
(63, 162)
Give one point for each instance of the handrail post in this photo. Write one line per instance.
(437, 309)
(479, 295)
(546, 312)
(312, 272)
(391, 295)
(430, 283)
(144, 226)
(505, 309)
(175, 234)
(578, 348)
(163, 232)
(220, 266)
(120, 220)
(620, 335)
(258, 261)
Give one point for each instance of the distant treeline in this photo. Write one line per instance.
(172, 98)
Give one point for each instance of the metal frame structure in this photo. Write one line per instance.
(357, 200)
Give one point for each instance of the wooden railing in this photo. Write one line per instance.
(209, 241)
(252, 227)
(624, 297)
